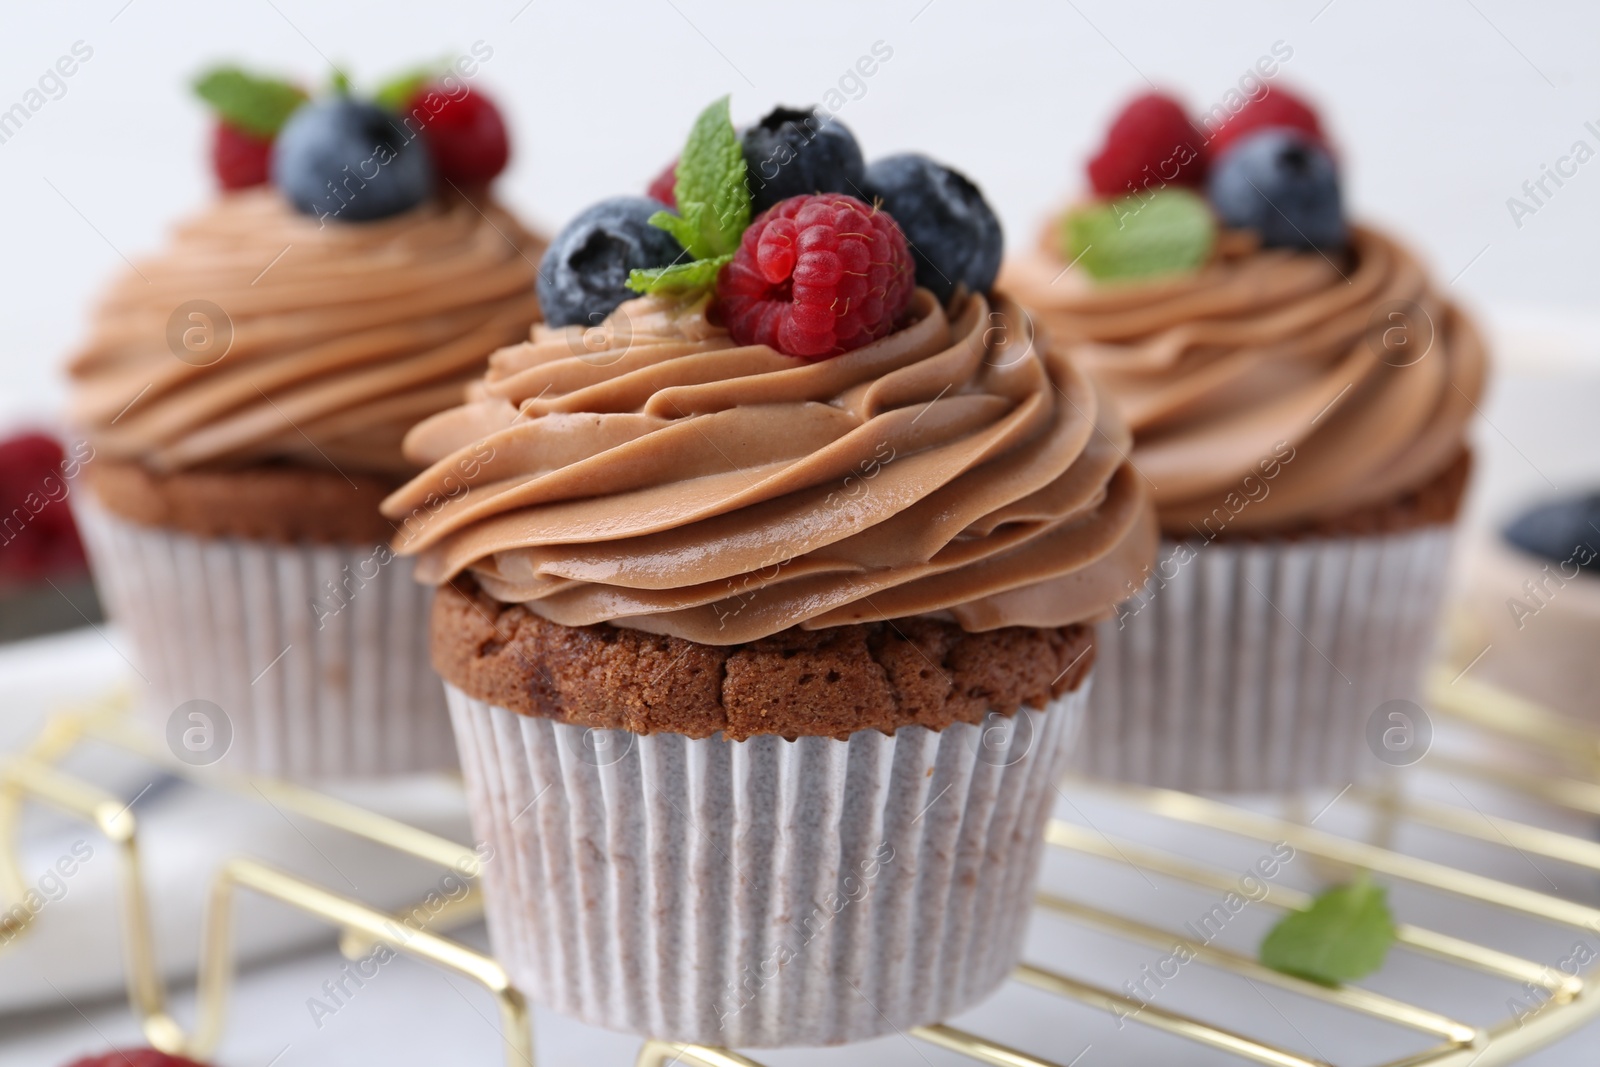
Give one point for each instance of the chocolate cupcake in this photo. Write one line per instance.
(245, 394)
(1299, 394)
(1530, 606)
(766, 616)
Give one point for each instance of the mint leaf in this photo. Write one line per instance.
(247, 101)
(400, 90)
(677, 278)
(683, 230)
(713, 207)
(713, 199)
(1167, 232)
(1344, 935)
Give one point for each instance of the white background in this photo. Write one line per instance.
(1441, 111)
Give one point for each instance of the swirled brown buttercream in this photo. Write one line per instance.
(652, 474)
(258, 336)
(1351, 364)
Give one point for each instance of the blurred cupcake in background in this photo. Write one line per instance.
(245, 392)
(1300, 395)
(1530, 598)
(768, 618)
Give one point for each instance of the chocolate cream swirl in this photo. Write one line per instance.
(1352, 364)
(653, 474)
(331, 343)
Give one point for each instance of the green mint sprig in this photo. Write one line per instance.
(1169, 231)
(687, 277)
(713, 207)
(1344, 935)
(398, 91)
(249, 102)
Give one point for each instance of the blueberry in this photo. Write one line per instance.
(1561, 531)
(793, 152)
(1283, 185)
(582, 277)
(953, 232)
(350, 160)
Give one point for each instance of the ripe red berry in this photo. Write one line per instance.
(240, 159)
(662, 186)
(1152, 143)
(139, 1057)
(1275, 107)
(816, 276)
(39, 537)
(466, 134)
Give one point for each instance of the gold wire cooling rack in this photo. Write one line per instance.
(1566, 1000)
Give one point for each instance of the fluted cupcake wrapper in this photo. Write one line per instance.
(315, 655)
(1255, 667)
(764, 892)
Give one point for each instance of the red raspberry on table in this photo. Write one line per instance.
(139, 1057)
(664, 185)
(466, 135)
(816, 276)
(240, 159)
(1150, 144)
(39, 537)
(1276, 107)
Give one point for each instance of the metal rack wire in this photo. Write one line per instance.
(1568, 999)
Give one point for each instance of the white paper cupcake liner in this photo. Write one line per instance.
(316, 655)
(1254, 667)
(764, 892)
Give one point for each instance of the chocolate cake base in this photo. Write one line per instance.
(828, 683)
(281, 503)
(1434, 504)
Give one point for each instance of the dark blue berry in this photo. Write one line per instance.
(1282, 184)
(953, 232)
(583, 276)
(793, 153)
(1561, 531)
(350, 160)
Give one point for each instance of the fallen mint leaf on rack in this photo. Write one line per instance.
(1169, 231)
(1344, 935)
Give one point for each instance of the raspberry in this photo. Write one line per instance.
(816, 276)
(239, 159)
(466, 135)
(40, 537)
(139, 1057)
(1151, 144)
(663, 186)
(1275, 107)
